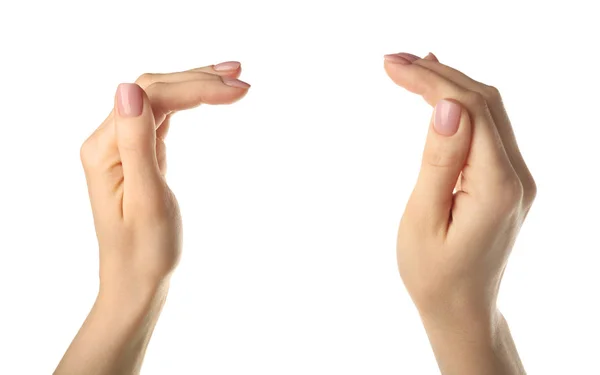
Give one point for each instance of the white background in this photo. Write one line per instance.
(291, 197)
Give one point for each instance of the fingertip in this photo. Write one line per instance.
(431, 57)
(129, 100)
(230, 91)
(227, 66)
(396, 70)
(134, 118)
(228, 69)
(231, 97)
(236, 83)
(233, 73)
(403, 58)
(396, 58)
(447, 115)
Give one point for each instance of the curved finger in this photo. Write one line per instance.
(487, 156)
(169, 97)
(228, 70)
(503, 124)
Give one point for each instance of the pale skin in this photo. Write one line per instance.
(472, 196)
(136, 215)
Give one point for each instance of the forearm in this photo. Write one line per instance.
(114, 337)
(474, 346)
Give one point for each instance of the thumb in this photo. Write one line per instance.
(446, 149)
(136, 137)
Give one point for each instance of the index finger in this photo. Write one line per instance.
(487, 157)
(170, 97)
(501, 120)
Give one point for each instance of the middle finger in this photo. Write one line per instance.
(228, 69)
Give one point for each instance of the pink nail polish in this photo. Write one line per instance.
(234, 82)
(130, 100)
(447, 117)
(408, 56)
(395, 59)
(227, 65)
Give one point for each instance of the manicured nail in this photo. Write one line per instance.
(397, 57)
(447, 117)
(130, 100)
(227, 65)
(234, 82)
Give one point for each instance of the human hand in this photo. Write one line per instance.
(135, 213)
(471, 198)
(453, 246)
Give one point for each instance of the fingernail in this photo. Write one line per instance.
(227, 65)
(234, 82)
(447, 117)
(402, 58)
(129, 100)
(395, 59)
(431, 56)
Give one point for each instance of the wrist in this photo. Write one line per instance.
(133, 298)
(473, 343)
(116, 332)
(468, 325)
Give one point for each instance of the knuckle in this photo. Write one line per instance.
(153, 93)
(529, 190)
(152, 88)
(492, 91)
(508, 194)
(92, 152)
(492, 94)
(86, 151)
(145, 79)
(439, 158)
(475, 99)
